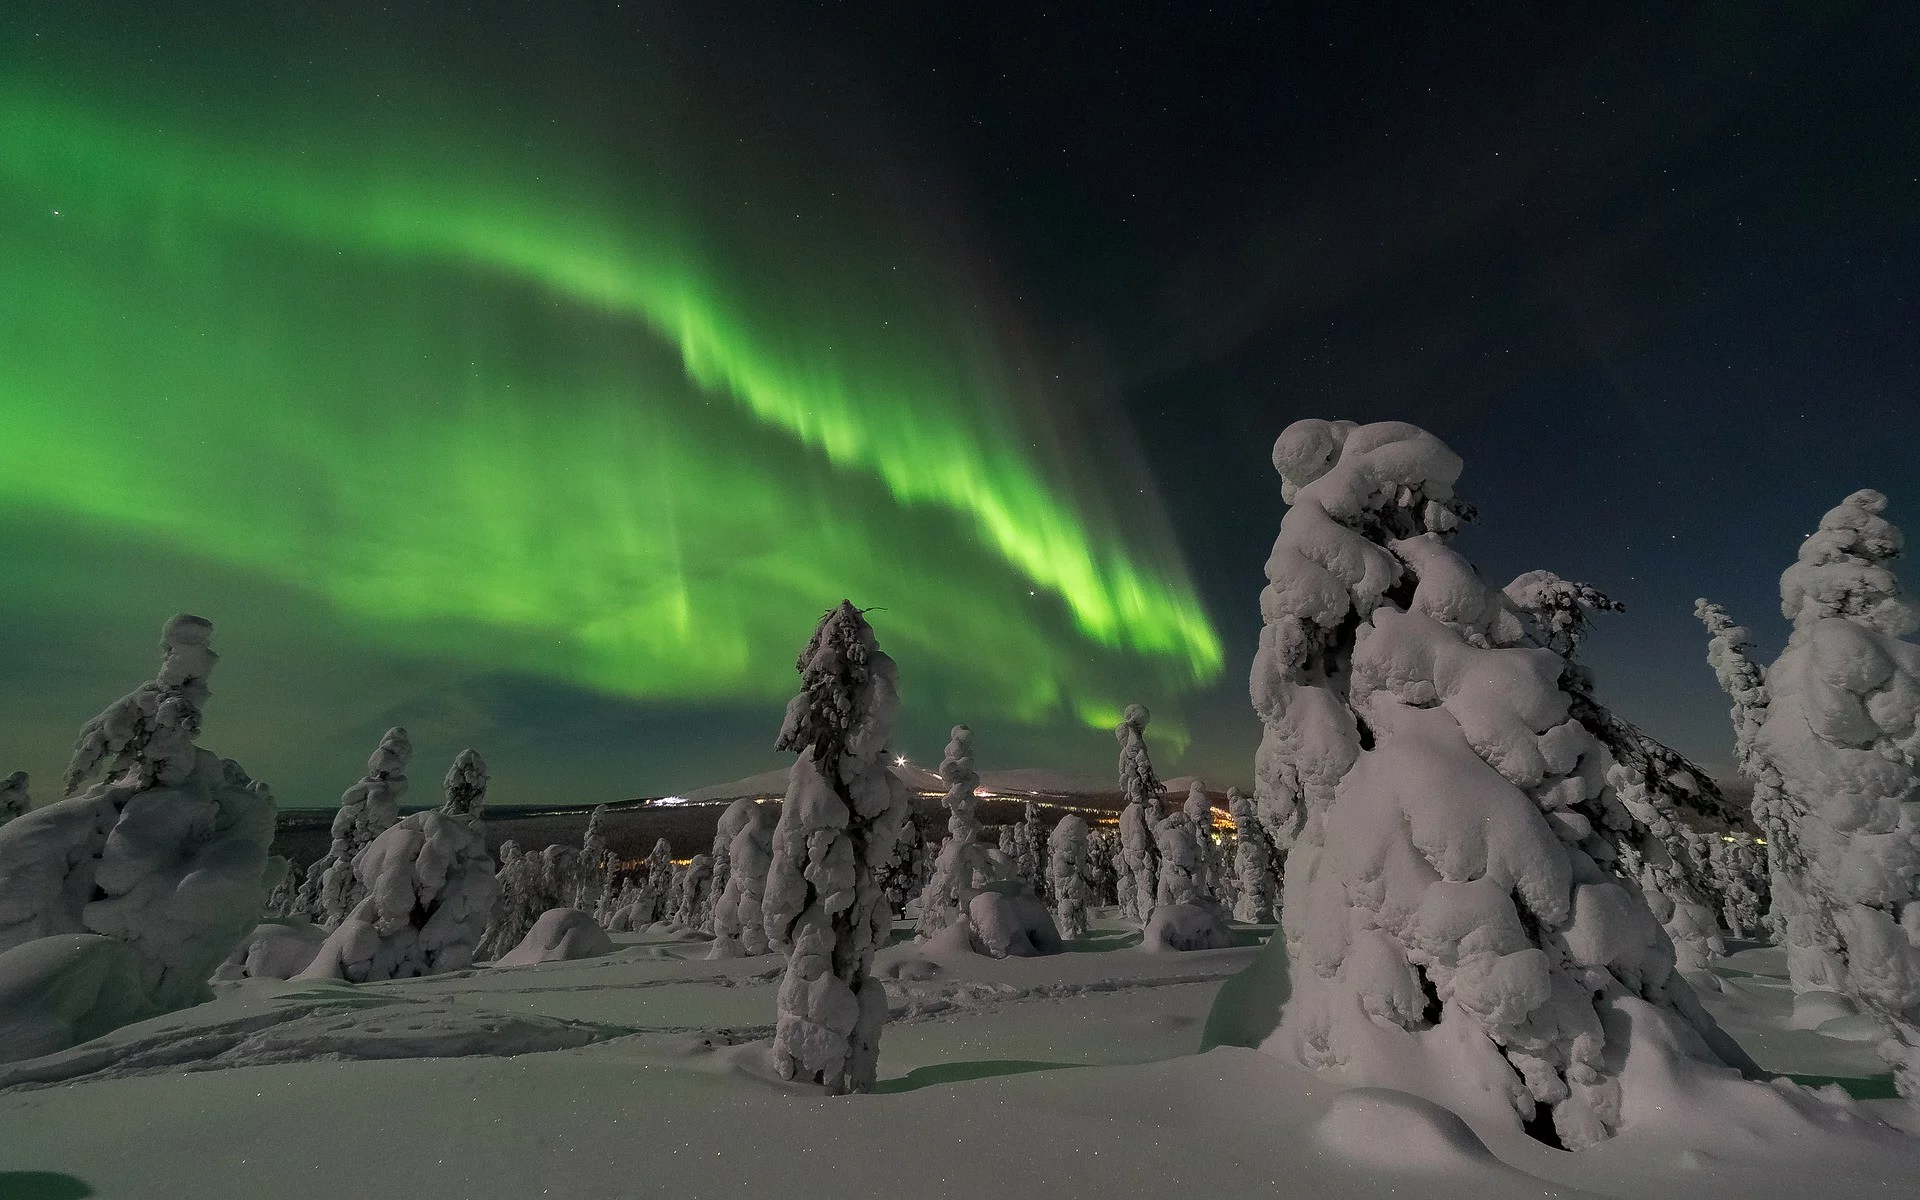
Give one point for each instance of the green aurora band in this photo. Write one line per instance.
(537, 422)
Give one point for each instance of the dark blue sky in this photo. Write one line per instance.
(1651, 272)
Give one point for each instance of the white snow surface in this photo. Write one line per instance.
(644, 1073)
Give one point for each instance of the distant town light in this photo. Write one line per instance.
(901, 761)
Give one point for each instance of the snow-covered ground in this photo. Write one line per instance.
(644, 1073)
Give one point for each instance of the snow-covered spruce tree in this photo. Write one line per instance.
(1453, 929)
(367, 809)
(1103, 849)
(1198, 811)
(1257, 899)
(696, 884)
(732, 820)
(520, 896)
(1729, 652)
(1839, 738)
(14, 801)
(1067, 875)
(843, 810)
(593, 869)
(430, 891)
(1185, 916)
(1652, 781)
(737, 924)
(1140, 788)
(900, 876)
(961, 868)
(1032, 859)
(162, 866)
(656, 887)
(285, 896)
(1740, 880)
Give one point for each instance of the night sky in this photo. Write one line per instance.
(534, 375)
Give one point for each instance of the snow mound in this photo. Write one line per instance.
(1403, 1132)
(61, 990)
(275, 950)
(1012, 923)
(1175, 927)
(561, 934)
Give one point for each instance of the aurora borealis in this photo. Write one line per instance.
(495, 407)
(534, 376)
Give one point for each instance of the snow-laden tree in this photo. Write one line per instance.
(1103, 851)
(1450, 915)
(1652, 781)
(1031, 857)
(593, 868)
(1740, 880)
(1198, 810)
(732, 820)
(367, 809)
(843, 810)
(520, 896)
(905, 874)
(695, 884)
(738, 927)
(430, 891)
(14, 801)
(161, 868)
(1257, 898)
(1833, 750)
(656, 887)
(962, 867)
(1067, 876)
(1140, 788)
(1185, 915)
(1729, 652)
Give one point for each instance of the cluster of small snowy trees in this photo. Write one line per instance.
(1829, 736)
(120, 901)
(430, 887)
(1456, 907)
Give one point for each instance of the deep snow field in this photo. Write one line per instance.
(643, 1073)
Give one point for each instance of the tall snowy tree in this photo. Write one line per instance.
(843, 811)
(732, 820)
(14, 801)
(1833, 750)
(367, 809)
(1067, 875)
(962, 867)
(430, 890)
(695, 887)
(593, 869)
(167, 858)
(520, 896)
(1453, 926)
(656, 888)
(1257, 898)
(1140, 788)
(737, 924)
(1031, 860)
